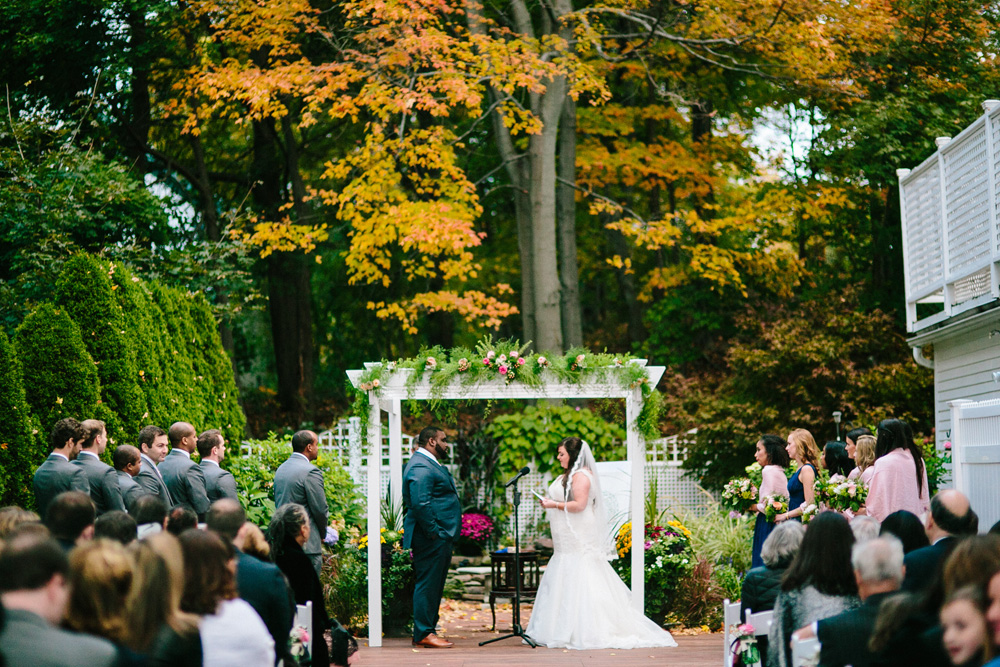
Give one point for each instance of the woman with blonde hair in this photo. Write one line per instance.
(864, 459)
(100, 583)
(160, 629)
(803, 450)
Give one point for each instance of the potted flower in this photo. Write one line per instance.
(477, 529)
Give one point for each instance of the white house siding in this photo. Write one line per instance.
(964, 363)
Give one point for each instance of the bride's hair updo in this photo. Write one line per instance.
(572, 445)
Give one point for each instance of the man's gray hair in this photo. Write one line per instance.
(878, 560)
(865, 528)
(782, 544)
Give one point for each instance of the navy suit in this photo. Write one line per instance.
(844, 637)
(55, 475)
(219, 483)
(149, 478)
(186, 482)
(266, 589)
(104, 489)
(433, 522)
(923, 564)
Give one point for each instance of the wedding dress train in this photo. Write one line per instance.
(582, 603)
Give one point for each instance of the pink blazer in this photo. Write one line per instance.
(893, 486)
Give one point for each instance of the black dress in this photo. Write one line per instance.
(306, 586)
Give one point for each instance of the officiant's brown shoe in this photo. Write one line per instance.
(433, 641)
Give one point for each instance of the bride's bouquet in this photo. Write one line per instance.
(739, 494)
(773, 506)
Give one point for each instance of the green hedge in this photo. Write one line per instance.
(19, 446)
(84, 289)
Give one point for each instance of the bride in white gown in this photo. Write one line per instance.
(582, 603)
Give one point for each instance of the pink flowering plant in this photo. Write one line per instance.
(477, 530)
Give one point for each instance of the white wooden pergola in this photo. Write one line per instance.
(396, 388)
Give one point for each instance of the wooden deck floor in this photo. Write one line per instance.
(467, 625)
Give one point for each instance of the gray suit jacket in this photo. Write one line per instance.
(54, 476)
(129, 488)
(299, 481)
(104, 489)
(219, 483)
(185, 481)
(149, 479)
(29, 640)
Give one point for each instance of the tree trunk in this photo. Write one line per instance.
(569, 267)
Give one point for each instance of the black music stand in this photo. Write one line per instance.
(516, 630)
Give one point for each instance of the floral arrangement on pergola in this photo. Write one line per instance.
(498, 370)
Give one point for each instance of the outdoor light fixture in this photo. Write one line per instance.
(836, 420)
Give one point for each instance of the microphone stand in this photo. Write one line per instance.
(516, 630)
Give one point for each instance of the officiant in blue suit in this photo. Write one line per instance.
(432, 524)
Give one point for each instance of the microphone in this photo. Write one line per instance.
(524, 471)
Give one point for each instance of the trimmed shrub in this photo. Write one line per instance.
(60, 377)
(144, 327)
(222, 405)
(85, 290)
(20, 449)
(189, 397)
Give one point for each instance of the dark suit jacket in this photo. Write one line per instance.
(28, 639)
(129, 488)
(433, 511)
(299, 481)
(186, 482)
(104, 489)
(219, 483)
(844, 637)
(305, 585)
(54, 476)
(265, 588)
(149, 479)
(922, 564)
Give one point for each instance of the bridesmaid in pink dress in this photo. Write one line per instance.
(773, 458)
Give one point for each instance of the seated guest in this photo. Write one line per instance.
(33, 592)
(949, 518)
(965, 634)
(818, 584)
(288, 532)
(160, 630)
(260, 583)
(761, 584)
(878, 571)
(117, 526)
(128, 463)
(232, 633)
(993, 617)
(101, 576)
(907, 528)
(11, 517)
(864, 528)
(150, 514)
(255, 544)
(70, 518)
(181, 519)
(835, 459)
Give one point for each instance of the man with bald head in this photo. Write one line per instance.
(183, 477)
(950, 519)
(297, 480)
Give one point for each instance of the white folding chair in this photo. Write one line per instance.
(730, 617)
(304, 617)
(761, 621)
(805, 652)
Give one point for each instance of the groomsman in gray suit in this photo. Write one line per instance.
(57, 474)
(33, 590)
(104, 489)
(219, 483)
(297, 480)
(183, 476)
(127, 465)
(152, 450)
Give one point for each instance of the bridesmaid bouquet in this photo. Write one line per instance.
(840, 494)
(773, 506)
(739, 494)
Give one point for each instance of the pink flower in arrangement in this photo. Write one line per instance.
(486, 362)
(520, 361)
(746, 629)
(947, 445)
(503, 370)
(513, 355)
(647, 545)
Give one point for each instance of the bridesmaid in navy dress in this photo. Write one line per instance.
(773, 458)
(802, 448)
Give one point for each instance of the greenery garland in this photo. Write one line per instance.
(510, 361)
